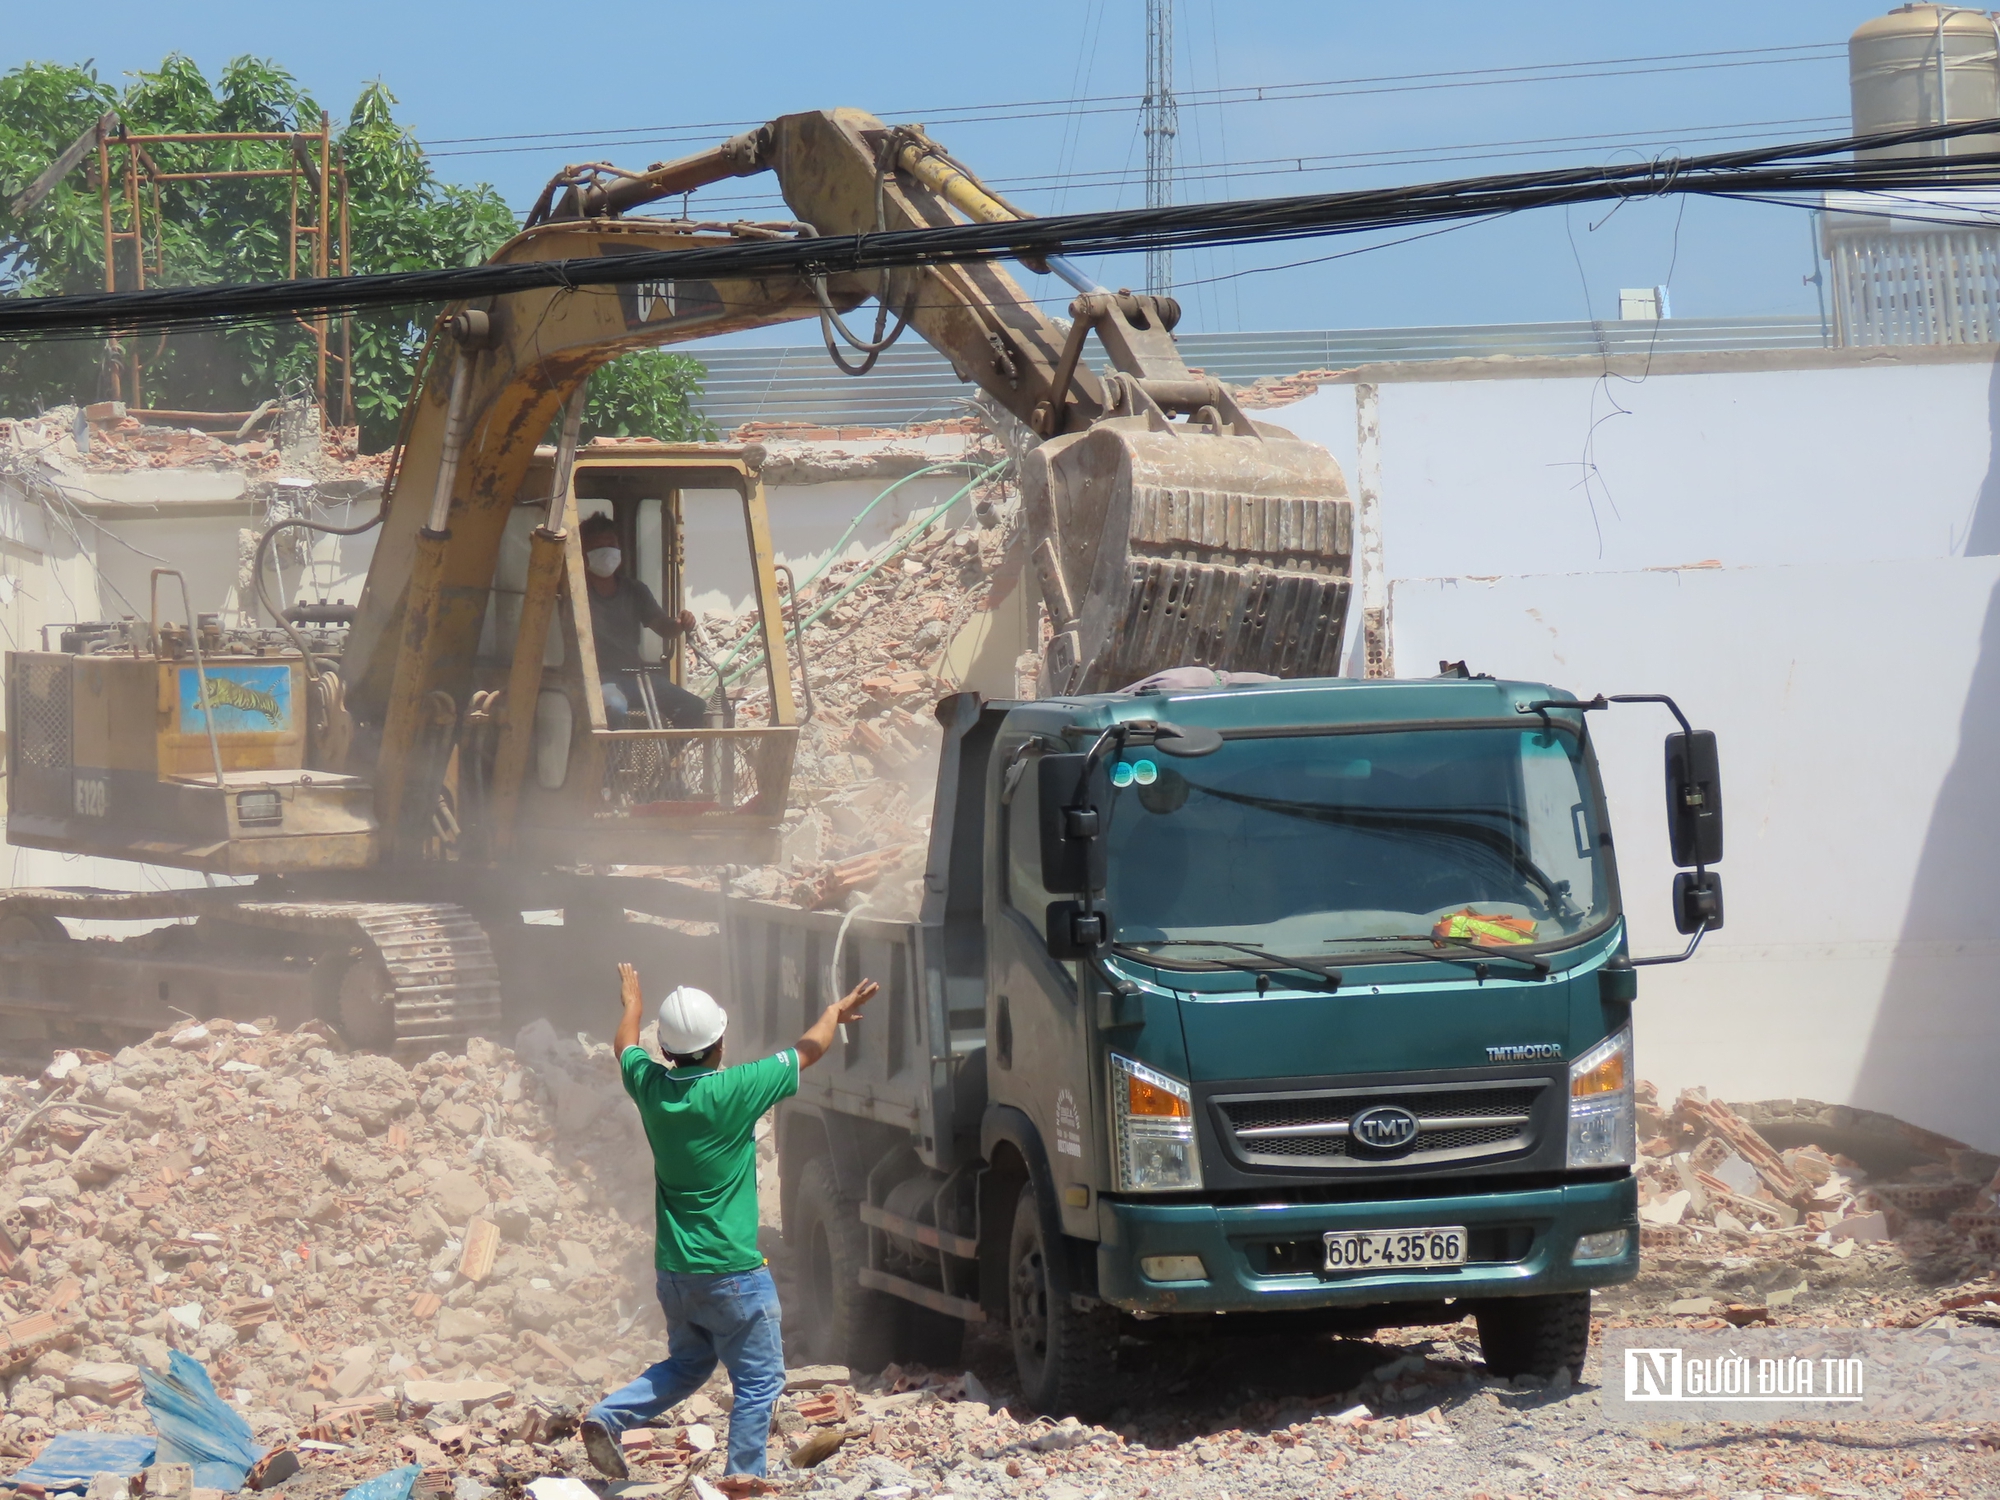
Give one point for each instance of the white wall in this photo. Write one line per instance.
(806, 521)
(1844, 643)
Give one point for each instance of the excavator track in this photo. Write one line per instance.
(408, 977)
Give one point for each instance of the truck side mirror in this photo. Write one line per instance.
(1694, 800)
(1076, 933)
(1073, 809)
(1698, 901)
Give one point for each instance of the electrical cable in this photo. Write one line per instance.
(1764, 171)
(1277, 93)
(1649, 142)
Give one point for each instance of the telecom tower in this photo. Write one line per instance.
(1162, 120)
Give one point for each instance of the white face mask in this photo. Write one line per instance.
(603, 561)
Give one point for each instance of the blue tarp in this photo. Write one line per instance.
(197, 1426)
(69, 1459)
(394, 1485)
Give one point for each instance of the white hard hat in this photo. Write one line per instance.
(690, 1022)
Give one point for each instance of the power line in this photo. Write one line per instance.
(1649, 141)
(1760, 173)
(1232, 94)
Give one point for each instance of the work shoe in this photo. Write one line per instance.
(605, 1450)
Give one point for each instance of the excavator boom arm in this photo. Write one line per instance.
(1215, 540)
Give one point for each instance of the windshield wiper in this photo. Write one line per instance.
(1478, 958)
(1273, 962)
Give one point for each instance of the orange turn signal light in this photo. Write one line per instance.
(1608, 1077)
(1154, 1102)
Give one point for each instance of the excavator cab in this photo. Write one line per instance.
(604, 786)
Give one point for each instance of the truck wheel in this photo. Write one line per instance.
(842, 1322)
(1065, 1355)
(1535, 1335)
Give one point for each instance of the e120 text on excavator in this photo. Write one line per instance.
(1239, 990)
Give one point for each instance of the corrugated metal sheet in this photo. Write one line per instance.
(913, 382)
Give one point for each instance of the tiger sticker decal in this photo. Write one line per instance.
(239, 700)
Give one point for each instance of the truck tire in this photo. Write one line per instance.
(1065, 1354)
(1535, 1335)
(841, 1321)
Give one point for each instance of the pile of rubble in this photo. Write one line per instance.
(865, 775)
(436, 1267)
(105, 436)
(1791, 1170)
(332, 1234)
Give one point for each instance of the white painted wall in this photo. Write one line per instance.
(807, 520)
(1845, 646)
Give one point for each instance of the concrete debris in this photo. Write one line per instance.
(324, 1236)
(104, 437)
(1711, 1176)
(454, 1314)
(1270, 391)
(858, 832)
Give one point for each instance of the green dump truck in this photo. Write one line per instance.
(1307, 1000)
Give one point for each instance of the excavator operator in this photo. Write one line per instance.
(620, 607)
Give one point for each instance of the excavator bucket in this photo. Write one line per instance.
(1209, 541)
(1161, 544)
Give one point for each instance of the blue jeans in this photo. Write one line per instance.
(733, 1319)
(624, 708)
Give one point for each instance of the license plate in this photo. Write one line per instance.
(1395, 1249)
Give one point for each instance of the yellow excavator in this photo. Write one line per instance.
(407, 777)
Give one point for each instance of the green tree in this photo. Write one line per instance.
(650, 393)
(401, 217)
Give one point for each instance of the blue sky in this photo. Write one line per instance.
(638, 83)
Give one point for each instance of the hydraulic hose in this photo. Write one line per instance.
(263, 553)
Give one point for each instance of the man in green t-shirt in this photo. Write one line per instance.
(714, 1286)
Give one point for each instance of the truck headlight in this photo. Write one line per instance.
(1602, 1122)
(1152, 1118)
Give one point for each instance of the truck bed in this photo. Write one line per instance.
(918, 1059)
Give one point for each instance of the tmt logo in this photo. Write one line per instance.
(1386, 1127)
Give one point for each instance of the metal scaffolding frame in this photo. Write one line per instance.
(318, 181)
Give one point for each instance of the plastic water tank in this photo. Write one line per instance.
(1926, 65)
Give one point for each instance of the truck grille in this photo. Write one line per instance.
(1314, 1129)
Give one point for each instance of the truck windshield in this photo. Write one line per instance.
(1354, 843)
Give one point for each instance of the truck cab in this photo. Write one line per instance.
(1300, 998)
